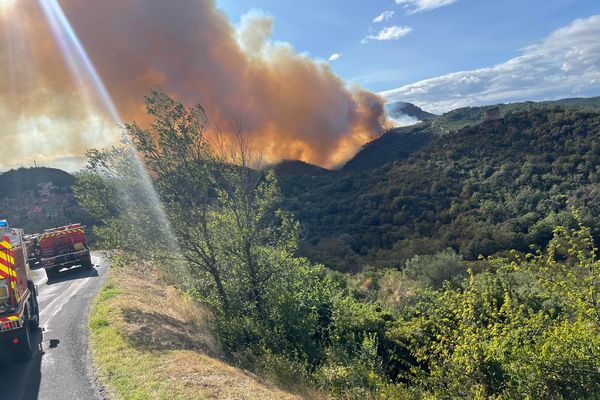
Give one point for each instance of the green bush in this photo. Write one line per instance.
(497, 337)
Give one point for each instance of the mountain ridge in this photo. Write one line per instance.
(482, 189)
(397, 109)
(398, 143)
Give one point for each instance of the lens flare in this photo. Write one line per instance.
(77, 57)
(93, 89)
(6, 4)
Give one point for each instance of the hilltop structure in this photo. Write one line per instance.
(492, 114)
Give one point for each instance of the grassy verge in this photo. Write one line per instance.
(150, 342)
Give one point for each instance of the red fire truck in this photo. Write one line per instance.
(19, 311)
(64, 247)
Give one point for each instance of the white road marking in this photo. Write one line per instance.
(61, 300)
(47, 291)
(39, 275)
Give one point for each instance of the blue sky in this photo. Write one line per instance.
(461, 36)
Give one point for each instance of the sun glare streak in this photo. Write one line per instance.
(76, 55)
(6, 5)
(89, 79)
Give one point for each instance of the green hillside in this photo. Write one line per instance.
(16, 181)
(399, 143)
(498, 185)
(470, 116)
(398, 109)
(296, 167)
(396, 145)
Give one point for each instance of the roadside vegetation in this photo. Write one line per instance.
(524, 325)
(150, 341)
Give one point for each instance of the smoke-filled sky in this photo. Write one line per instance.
(299, 100)
(294, 106)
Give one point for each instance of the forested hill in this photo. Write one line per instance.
(470, 116)
(395, 145)
(399, 108)
(483, 189)
(399, 143)
(17, 181)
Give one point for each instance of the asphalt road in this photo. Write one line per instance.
(61, 368)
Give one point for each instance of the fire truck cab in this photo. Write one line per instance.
(19, 311)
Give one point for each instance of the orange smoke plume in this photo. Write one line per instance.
(295, 107)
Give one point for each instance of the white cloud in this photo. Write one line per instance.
(416, 6)
(394, 32)
(384, 16)
(564, 64)
(334, 57)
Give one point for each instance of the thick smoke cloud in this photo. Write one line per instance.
(294, 106)
(42, 117)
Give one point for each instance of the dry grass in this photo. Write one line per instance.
(150, 342)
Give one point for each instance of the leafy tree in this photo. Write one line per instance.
(114, 189)
(238, 245)
(528, 330)
(434, 270)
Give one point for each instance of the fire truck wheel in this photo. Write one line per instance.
(24, 349)
(88, 264)
(34, 320)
